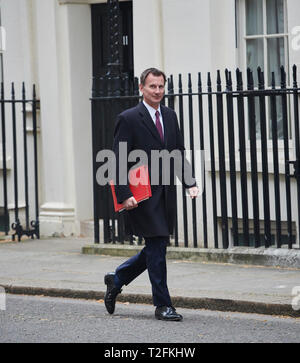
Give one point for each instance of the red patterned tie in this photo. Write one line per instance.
(158, 126)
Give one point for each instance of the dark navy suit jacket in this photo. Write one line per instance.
(155, 216)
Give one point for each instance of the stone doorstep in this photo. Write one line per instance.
(276, 257)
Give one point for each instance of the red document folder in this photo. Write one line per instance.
(139, 184)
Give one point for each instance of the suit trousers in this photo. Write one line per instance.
(153, 258)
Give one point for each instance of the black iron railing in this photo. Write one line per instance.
(18, 112)
(243, 132)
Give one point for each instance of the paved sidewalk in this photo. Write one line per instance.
(57, 267)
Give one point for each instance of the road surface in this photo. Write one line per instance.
(37, 319)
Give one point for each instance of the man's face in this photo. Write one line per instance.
(153, 90)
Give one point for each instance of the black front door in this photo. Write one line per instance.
(100, 38)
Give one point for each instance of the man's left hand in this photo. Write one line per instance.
(194, 192)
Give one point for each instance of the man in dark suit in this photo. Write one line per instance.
(149, 127)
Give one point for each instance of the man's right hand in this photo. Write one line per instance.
(130, 203)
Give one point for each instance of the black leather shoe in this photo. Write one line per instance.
(167, 313)
(111, 292)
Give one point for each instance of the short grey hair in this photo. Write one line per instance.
(156, 72)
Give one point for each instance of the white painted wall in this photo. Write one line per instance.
(50, 44)
(147, 37)
(20, 64)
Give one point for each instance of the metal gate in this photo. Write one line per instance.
(250, 137)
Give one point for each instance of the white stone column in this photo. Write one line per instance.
(65, 79)
(80, 56)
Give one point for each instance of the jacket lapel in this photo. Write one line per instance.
(147, 120)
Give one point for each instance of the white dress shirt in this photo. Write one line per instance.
(152, 112)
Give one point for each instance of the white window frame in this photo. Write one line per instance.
(242, 56)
